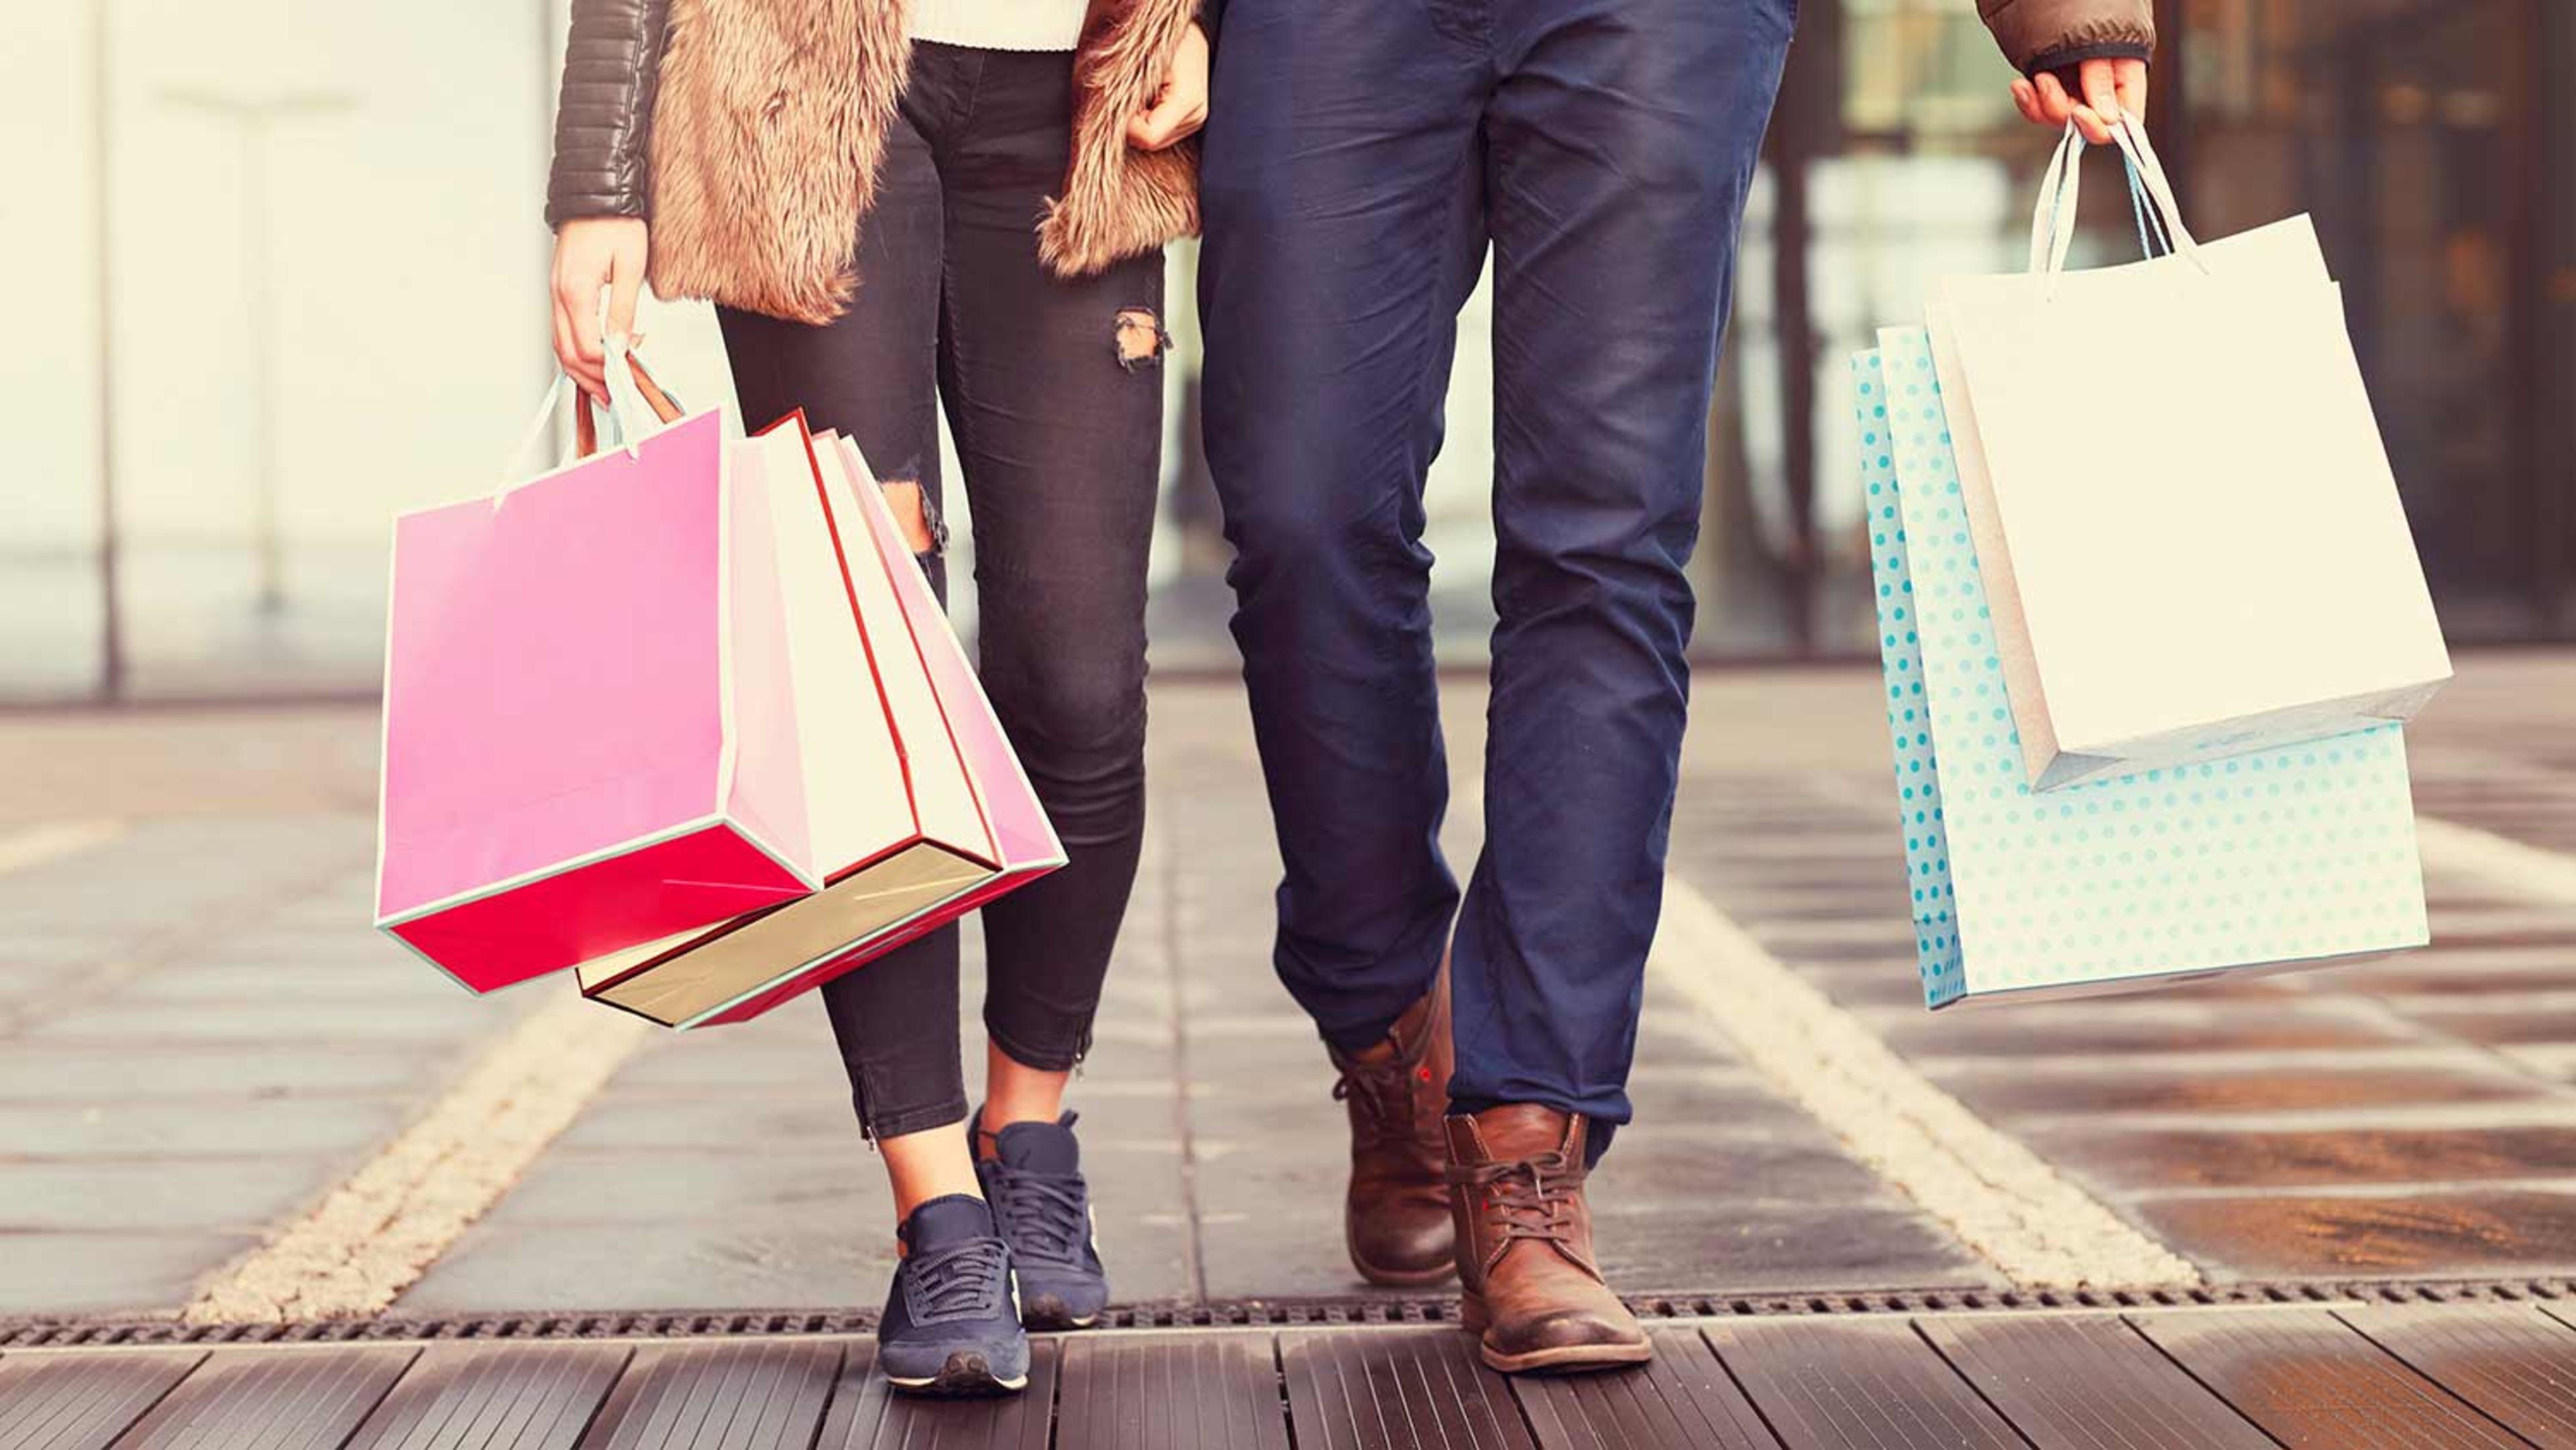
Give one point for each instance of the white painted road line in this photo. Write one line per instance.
(53, 840)
(2531, 872)
(2038, 1229)
(387, 1223)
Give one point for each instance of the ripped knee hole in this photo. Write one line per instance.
(1140, 338)
(924, 532)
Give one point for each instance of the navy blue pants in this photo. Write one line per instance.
(1360, 157)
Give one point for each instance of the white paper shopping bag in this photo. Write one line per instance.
(2192, 539)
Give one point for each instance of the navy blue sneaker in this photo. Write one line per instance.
(952, 1319)
(1033, 1179)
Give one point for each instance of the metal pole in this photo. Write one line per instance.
(111, 627)
(257, 118)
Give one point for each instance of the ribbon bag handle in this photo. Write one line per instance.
(655, 401)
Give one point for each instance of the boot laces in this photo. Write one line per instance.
(1383, 1093)
(1530, 1198)
(961, 1281)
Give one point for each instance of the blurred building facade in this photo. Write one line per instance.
(290, 287)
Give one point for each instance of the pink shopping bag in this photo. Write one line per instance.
(974, 831)
(589, 736)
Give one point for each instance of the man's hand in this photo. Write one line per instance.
(591, 253)
(1181, 107)
(2110, 87)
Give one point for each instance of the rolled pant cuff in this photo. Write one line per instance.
(1037, 1057)
(1349, 1035)
(908, 1121)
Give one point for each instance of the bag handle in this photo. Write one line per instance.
(648, 397)
(2151, 197)
(585, 424)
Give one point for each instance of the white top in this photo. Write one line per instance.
(1000, 24)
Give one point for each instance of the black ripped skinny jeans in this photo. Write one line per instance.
(1061, 443)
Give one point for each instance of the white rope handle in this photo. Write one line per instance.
(2052, 223)
(625, 418)
(2057, 194)
(537, 426)
(634, 417)
(2130, 135)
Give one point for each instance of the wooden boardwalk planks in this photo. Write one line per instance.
(2315, 1383)
(2344, 1377)
(2089, 1381)
(83, 1400)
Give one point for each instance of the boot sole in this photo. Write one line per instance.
(1563, 1359)
(1566, 1359)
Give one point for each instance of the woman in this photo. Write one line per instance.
(969, 210)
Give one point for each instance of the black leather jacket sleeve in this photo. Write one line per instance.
(604, 113)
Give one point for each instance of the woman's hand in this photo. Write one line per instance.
(2110, 87)
(1181, 107)
(591, 253)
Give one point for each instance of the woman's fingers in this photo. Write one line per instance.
(592, 253)
(1171, 121)
(624, 286)
(593, 380)
(1144, 130)
(563, 336)
(1181, 107)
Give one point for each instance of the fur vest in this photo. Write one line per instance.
(771, 117)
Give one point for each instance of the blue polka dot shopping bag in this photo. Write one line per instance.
(2295, 855)
(2194, 546)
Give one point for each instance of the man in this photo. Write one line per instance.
(1361, 156)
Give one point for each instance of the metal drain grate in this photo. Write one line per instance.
(36, 1333)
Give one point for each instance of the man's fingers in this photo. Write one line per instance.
(2101, 91)
(2131, 76)
(2109, 90)
(2026, 101)
(2054, 103)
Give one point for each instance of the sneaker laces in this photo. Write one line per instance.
(1046, 1214)
(961, 1281)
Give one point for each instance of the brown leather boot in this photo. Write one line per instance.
(1396, 1220)
(1531, 1292)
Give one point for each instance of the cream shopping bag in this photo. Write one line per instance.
(2191, 537)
